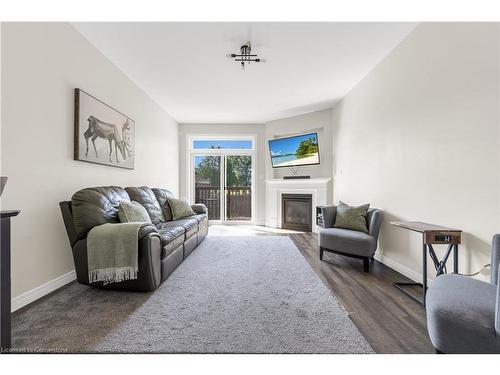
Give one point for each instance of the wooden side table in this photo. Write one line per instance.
(5, 279)
(431, 235)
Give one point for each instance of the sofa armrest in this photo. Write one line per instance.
(199, 208)
(149, 262)
(149, 275)
(146, 229)
(329, 213)
(374, 221)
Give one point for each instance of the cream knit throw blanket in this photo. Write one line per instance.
(112, 252)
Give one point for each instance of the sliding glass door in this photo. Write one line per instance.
(238, 187)
(207, 183)
(222, 179)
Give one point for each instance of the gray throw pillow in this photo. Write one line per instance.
(132, 212)
(180, 208)
(351, 217)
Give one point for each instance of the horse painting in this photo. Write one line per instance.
(102, 134)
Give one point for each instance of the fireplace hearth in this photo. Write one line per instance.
(296, 212)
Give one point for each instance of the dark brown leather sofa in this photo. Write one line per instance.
(163, 245)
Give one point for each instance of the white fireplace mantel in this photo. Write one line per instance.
(317, 187)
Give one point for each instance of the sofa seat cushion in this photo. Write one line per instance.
(203, 223)
(348, 241)
(147, 199)
(186, 223)
(461, 315)
(191, 232)
(169, 248)
(170, 233)
(200, 218)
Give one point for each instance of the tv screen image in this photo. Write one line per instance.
(294, 151)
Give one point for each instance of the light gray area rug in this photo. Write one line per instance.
(231, 295)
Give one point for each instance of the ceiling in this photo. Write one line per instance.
(184, 66)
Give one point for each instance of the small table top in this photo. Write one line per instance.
(9, 213)
(418, 226)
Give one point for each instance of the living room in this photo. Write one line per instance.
(250, 187)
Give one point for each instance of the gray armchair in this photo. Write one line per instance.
(349, 242)
(463, 314)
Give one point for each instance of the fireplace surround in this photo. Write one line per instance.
(319, 188)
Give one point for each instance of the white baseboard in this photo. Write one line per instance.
(42, 290)
(402, 269)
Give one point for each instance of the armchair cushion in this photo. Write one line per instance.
(351, 217)
(347, 241)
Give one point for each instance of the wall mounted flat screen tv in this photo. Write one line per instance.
(294, 151)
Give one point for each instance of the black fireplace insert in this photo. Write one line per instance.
(296, 211)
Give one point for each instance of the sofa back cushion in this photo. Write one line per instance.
(161, 196)
(95, 206)
(147, 199)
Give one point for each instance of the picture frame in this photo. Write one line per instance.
(102, 134)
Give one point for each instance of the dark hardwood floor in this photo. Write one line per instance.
(390, 321)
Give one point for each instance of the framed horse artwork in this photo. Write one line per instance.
(102, 134)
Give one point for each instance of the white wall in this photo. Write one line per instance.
(227, 129)
(419, 138)
(320, 122)
(42, 63)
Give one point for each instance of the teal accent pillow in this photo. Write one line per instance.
(132, 212)
(351, 217)
(180, 208)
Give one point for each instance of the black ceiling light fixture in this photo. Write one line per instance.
(246, 56)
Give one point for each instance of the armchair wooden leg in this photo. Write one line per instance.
(366, 264)
(320, 253)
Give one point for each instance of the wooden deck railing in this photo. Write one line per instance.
(239, 202)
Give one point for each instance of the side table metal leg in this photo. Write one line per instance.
(424, 272)
(455, 258)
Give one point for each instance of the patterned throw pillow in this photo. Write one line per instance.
(350, 217)
(180, 208)
(132, 212)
